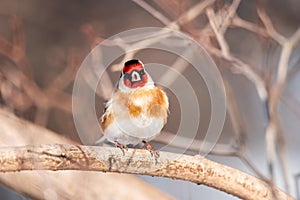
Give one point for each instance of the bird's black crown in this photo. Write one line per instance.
(132, 62)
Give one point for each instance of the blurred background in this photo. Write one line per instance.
(43, 43)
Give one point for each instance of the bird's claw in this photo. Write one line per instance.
(151, 149)
(121, 146)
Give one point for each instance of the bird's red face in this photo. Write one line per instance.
(134, 74)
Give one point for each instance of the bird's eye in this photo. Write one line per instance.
(142, 72)
(127, 76)
(135, 76)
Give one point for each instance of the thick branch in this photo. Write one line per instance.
(191, 168)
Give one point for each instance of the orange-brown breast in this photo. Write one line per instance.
(134, 110)
(156, 107)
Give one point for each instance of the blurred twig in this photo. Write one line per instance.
(18, 51)
(158, 15)
(274, 135)
(33, 91)
(106, 85)
(20, 76)
(235, 118)
(237, 64)
(269, 26)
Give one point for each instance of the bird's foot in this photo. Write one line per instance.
(121, 146)
(151, 149)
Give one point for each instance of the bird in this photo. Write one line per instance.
(137, 110)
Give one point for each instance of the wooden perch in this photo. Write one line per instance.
(136, 161)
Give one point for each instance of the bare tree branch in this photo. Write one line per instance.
(239, 22)
(274, 133)
(269, 26)
(220, 36)
(163, 19)
(192, 13)
(108, 159)
(237, 64)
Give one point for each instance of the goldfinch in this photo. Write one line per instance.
(137, 110)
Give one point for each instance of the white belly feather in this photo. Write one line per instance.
(123, 131)
(127, 129)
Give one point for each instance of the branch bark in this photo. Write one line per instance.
(136, 161)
